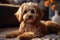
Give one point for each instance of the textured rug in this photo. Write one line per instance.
(3, 31)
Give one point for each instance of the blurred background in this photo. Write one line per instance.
(9, 7)
(9, 22)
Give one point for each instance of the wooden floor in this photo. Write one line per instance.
(3, 31)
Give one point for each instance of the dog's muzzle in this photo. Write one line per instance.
(29, 17)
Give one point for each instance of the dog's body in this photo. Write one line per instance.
(30, 15)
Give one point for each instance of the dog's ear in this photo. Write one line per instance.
(39, 11)
(18, 14)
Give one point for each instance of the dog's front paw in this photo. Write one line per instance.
(22, 37)
(26, 36)
(8, 36)
(12, 34)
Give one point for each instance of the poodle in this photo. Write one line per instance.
(31, 26)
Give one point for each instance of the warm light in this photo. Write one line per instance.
(48, 0)
(46, 3)
(52, 1)
(54, 7)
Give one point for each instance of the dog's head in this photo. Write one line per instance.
(29, 12)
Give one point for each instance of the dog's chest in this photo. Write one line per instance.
(31, 28)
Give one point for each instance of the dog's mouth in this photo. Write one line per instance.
(30, 19)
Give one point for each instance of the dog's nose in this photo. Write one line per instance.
(30, 16)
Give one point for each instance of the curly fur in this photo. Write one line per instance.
(32, 27)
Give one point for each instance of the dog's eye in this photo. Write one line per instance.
(32, 11)
(25, 11)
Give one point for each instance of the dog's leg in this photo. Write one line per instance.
(52, 26)
(26, 36)
(21, 37)
(12, 34)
